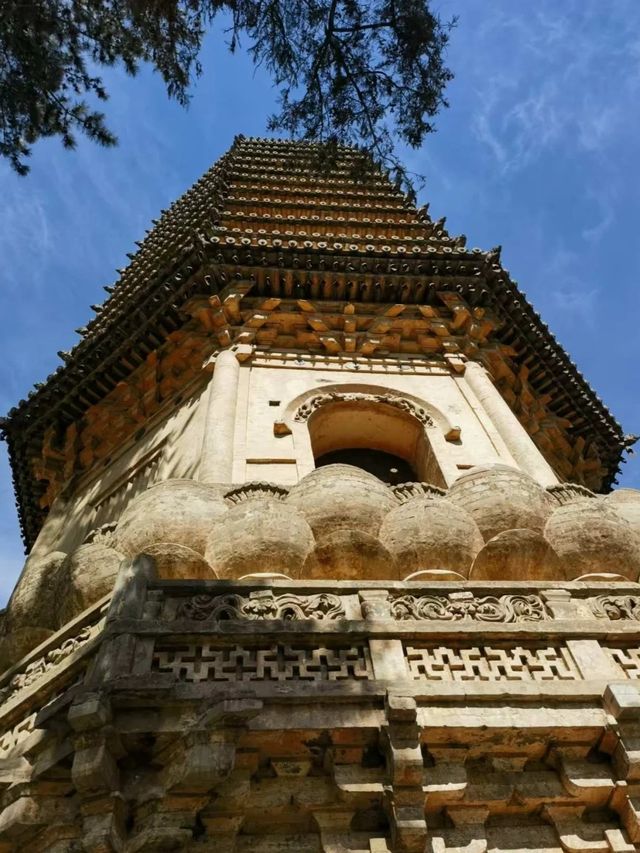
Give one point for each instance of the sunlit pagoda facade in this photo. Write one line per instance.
(324, 554)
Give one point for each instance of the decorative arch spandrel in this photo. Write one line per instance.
(352, 416)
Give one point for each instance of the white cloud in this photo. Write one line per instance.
(567, 73)
(574, 301)
(605, 205)
(578, 302)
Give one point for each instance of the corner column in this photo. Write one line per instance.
(216, 459)
(517, 439)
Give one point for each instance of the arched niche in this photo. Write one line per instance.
(342, 423)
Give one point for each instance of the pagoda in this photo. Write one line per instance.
(323, 551)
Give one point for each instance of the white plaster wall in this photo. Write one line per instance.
(268, 388)
(261, 455)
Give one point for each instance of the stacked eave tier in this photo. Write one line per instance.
(351, 239)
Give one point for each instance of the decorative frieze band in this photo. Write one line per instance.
(305, 411)
(451, 607)
(465, 605)
(262, 605)
(616, 607)
(38, 669)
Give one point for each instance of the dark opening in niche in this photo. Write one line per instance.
(387, 467)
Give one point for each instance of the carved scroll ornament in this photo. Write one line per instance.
(616, 607)
(408, 491)
(246, 491)
(40, 667)
(288, 607)
(305, 411)
(102, 535)
(506, 608)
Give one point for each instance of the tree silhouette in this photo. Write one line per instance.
(367, 74)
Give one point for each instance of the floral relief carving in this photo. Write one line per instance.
(102, 535)
(305, 411)
(262, 606)
(616, 607)
(407, 491)
(465, 605)
(255, 490)
(12, 738)
(40, 667)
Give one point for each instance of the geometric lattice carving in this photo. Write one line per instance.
(279, 662)
(616, 607)
(464, 605)
(627, 659)
(262, 606)
(487, 663)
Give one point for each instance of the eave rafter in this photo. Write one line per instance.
(342, 327)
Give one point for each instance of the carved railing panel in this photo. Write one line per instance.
(466, 605)
(278, 662)
(627, 659)
(305, 411)
(261, 605)
(616, 607)
(12, 738)
(56, 658)
(489, 663)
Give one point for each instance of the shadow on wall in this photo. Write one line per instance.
(167, 449)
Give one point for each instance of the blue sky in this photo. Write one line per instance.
(538, 152)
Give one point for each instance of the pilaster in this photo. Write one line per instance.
(216, 464)
(511, 431)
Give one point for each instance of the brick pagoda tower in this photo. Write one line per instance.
(323, 552)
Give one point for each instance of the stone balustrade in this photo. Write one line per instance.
(372, 716)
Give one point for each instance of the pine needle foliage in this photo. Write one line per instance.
(368, 74)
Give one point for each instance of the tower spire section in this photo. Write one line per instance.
(322, 552)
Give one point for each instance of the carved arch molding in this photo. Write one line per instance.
(304, 411)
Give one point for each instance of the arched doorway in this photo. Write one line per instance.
(384, 437)
(385, 466)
